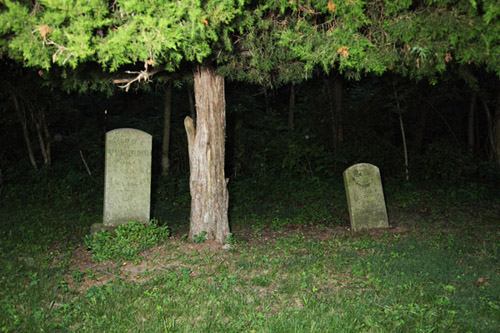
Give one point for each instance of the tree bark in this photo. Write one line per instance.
(405, 150)
(403, 135)
(21, 113)
(48, 139)
(208, 186)
(165, 144)
(190, 132)
(43, 135)
(291, 108)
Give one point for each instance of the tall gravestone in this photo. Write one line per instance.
(127, 178)
(365, 197)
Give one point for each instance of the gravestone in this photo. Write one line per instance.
(127, 178)
(365, 197)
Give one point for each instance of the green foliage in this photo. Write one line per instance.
(446, 161)
(306, 158)
(128, 242)
(269, 43)
(277, 205)
(126, 32)
(231, 239)
(259, 57)
(201, 238)
(433, 35)
(55, 32)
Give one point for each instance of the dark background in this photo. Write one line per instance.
(259, 141)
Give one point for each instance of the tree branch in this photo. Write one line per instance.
(144, 75)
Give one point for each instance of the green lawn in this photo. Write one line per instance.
(293, 267)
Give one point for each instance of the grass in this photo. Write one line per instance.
(293, 267)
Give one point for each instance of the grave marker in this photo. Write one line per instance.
(127, 178)
(365, 197)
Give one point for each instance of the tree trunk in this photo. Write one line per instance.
(335, 97)
(496, 131)
(208, 186)
(165, 144)
(338, 87)
(21, 113)
(405, 150)
(403, 135)
(43, 135)
(470, 123)
(291, 108)
(48, 139)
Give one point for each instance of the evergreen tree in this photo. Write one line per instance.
(268, 42)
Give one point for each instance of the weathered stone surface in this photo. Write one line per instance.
(127, 177)
(365, 197)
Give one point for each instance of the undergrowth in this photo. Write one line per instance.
(127, 241)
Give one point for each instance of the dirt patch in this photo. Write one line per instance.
(84, 273)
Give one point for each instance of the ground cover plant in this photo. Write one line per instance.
(126, 241)
(293, 265)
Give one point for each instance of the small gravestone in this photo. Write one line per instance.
(365, 197)
(127, 178)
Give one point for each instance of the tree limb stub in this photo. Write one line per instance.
(191, 133)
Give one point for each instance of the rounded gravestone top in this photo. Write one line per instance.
(362, 173)
(127, 130)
